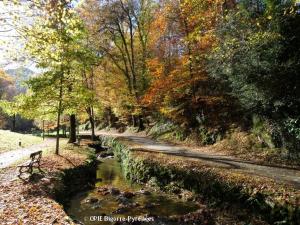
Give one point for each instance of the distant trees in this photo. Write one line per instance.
(7, 86)
(7, 92)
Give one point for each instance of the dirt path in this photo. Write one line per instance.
(11, 157)
(279, 174)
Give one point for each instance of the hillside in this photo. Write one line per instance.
(20, 75)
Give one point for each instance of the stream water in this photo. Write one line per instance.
(115, 199)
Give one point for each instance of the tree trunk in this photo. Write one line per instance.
(134, 122)
(43, 130)
(72, 138)
(93, 128)
(189, 48)
(141, 123)
(64, 129)
(13, 123)
(58, 116)
(57, 130)
(90, 112)
(109, 117)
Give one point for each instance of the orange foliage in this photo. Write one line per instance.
(181, 36)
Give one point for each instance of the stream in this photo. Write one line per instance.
(114, 198)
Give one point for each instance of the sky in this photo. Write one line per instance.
(8, 37)
(10, 44)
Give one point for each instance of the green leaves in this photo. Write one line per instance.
(255, 59)
(55, 40)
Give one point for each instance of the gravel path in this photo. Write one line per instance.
(277, 173)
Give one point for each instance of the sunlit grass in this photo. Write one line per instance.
(10, 140)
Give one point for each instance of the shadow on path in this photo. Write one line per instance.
(276, 172)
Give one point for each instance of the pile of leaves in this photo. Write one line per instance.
(31, 201)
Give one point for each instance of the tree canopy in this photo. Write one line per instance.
(204, 65)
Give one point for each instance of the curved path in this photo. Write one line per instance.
(279, 174)
(11, 157)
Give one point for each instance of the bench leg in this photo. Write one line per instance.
(21, 171)
(39, 168)
(30, 170)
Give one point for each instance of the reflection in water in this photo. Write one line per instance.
(110, 171)
(118, 206)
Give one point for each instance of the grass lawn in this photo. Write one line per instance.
(10, 140)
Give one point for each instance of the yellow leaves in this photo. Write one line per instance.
(157, 29)
(166, 87)
(206, 41)
(112, 91)
(4, 76)
(33, 210)
(166, 110)
(156, 68)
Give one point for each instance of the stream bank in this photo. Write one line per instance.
(259, 196)
(116, 200)
(75, 180)
(101, 194)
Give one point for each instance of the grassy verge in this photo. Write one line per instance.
(255, 145)
(10, 140)
(247, 146)
(277, 204)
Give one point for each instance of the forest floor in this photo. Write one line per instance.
(207, 155)
(31, 201)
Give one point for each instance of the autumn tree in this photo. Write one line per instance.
(52, 41)
(123, 28)
(181, 36)
(7, 92)
(87, 61)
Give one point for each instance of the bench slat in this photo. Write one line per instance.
(30, 164)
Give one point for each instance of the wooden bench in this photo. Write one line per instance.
(33, 163)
